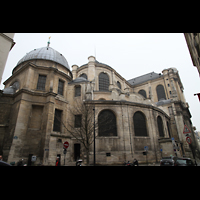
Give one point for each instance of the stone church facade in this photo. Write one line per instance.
(146, 111)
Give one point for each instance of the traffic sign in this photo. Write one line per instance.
(188, 140)
(66, 145)
(146, 148)
(186, 129)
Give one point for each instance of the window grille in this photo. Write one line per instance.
(140, 124)
(107, 123)
(41, 82)
(103, 82)
(60, 87)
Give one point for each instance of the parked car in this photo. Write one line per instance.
(184, 162)
(168, 161)
(2, 163)
(176, 161)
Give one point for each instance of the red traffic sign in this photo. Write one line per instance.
(186, 129)
(66, 145)
(188, 140)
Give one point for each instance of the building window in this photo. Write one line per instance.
(41, 82)
(78, 119)
(143, 93)
(119, 84)
(139, 120)
(57, 120)
(60, 87)
(36, 117)
(107, 123)
(168, 128)
(160, 126)
(84, 76)
(103, 82)
(77, 90)
(160, 92)
(170, 110)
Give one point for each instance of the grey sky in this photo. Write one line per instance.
(131, 55)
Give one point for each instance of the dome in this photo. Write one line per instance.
(45, 53)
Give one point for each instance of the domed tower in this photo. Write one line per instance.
(35, 103)
(38, 66)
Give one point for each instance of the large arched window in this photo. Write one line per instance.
(160, 126)
(160, 92)
(143, 93)
(103, 82)
(140, 124)
(84, 76)
(107, 123)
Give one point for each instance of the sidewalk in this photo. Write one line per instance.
(149, 164)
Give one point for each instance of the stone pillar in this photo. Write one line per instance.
(91, 68)
(74, 69)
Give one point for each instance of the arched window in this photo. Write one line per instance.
(140, 124)
(160, 92)
(160, 126)
(84, 76)
(103, 82)
(143, 93)
(119, 84)
(107, 123)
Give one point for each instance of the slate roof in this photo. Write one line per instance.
(78, 80)
(97, 63)
(144, 78)
(45, 53)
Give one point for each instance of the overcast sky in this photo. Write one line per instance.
(130, 54)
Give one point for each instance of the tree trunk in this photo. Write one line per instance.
(87, 153)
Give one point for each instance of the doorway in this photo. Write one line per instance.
(29, 160)
(77, 148)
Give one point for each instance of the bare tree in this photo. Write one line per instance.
(80, 123)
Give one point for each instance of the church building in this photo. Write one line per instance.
(148, 111)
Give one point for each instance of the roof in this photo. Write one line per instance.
(163, 102)
(45, 53)
(97, 62)
(144, 78)
(9, 90)
(78, 80)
